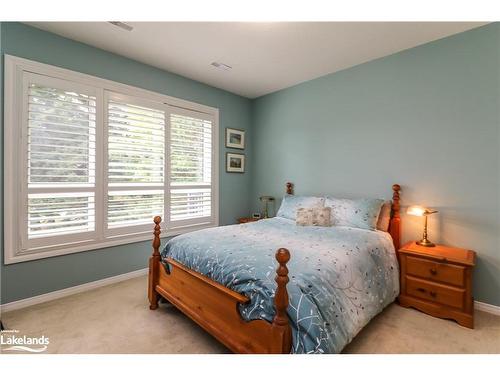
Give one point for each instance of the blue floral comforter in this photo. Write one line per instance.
(340, 277)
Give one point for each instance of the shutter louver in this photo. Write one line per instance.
(61, 155)
(190, 203)
(61, 137)
(63, 213)
(134, 207)
(136, 158)
(191, 168)
(136, 144)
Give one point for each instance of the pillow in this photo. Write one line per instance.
(291, 203)
(385, 216)
(319, 217)
(354, 213)
(304, 217)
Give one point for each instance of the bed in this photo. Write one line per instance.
(328, 284)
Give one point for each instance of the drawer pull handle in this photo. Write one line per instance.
(433, 271)
(421, 290)
(433, 294)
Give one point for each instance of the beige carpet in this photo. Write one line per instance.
(116, 319)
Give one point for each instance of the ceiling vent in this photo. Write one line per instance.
(122, 25)
(221, 66)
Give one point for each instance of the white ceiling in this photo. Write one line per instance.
(265, 57)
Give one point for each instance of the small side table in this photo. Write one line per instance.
(438, 281)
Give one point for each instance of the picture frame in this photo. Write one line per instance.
(235, 163)
(235, 138)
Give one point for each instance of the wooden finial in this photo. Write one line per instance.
(282, 342)
(154, 266)
(156, 239)
(395, 223)
(289, 188)
(281, 296)
(395, 199)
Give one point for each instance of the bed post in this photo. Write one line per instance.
(281, 324)
(289, 188)
(154, 266)
(395, 224)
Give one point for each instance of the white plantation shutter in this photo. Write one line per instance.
(136, 144)
(127, 208)
(52, 214)
(88, 162)
(136, 160)
(191, 158)
(60, 161)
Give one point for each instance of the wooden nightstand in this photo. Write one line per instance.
(243, 220)
(438, 280)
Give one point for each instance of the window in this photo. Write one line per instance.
(90, 162)
(60, 146)
(136, 163)
(190, 167)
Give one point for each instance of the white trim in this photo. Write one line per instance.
(87, 79)
(215, 169)
(20, 304)
(15, 69)
(97, 245)
(486, 307)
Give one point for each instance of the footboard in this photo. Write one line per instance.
(215, 307)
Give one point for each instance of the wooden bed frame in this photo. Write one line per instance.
(215, 307)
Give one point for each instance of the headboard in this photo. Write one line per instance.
(395, 222)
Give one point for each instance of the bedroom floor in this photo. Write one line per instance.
(116, 319)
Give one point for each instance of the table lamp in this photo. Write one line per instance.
(266, 199)
(422, 211)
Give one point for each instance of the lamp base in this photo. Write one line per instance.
(425, 242)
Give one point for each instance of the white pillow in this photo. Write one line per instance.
(291, 203)
(355, 213)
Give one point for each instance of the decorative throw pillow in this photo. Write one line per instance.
(354, 213)
(291, 203)
(313, 217)
(304, 217)
(385, 216)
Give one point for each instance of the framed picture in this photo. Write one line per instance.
(235, 163)
(235, 138)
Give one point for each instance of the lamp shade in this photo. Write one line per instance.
(419, 211)
(416, 210)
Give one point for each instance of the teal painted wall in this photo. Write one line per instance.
(27, 279)
(426, 118)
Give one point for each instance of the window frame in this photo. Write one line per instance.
(15, 168)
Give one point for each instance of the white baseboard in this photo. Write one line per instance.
(486, 307)
(16, 305)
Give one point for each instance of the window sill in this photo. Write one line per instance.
(96, 245)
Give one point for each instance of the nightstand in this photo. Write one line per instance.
(438, 280)
(243, 220)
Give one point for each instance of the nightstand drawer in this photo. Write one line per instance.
(434, 292)
(446, 273)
